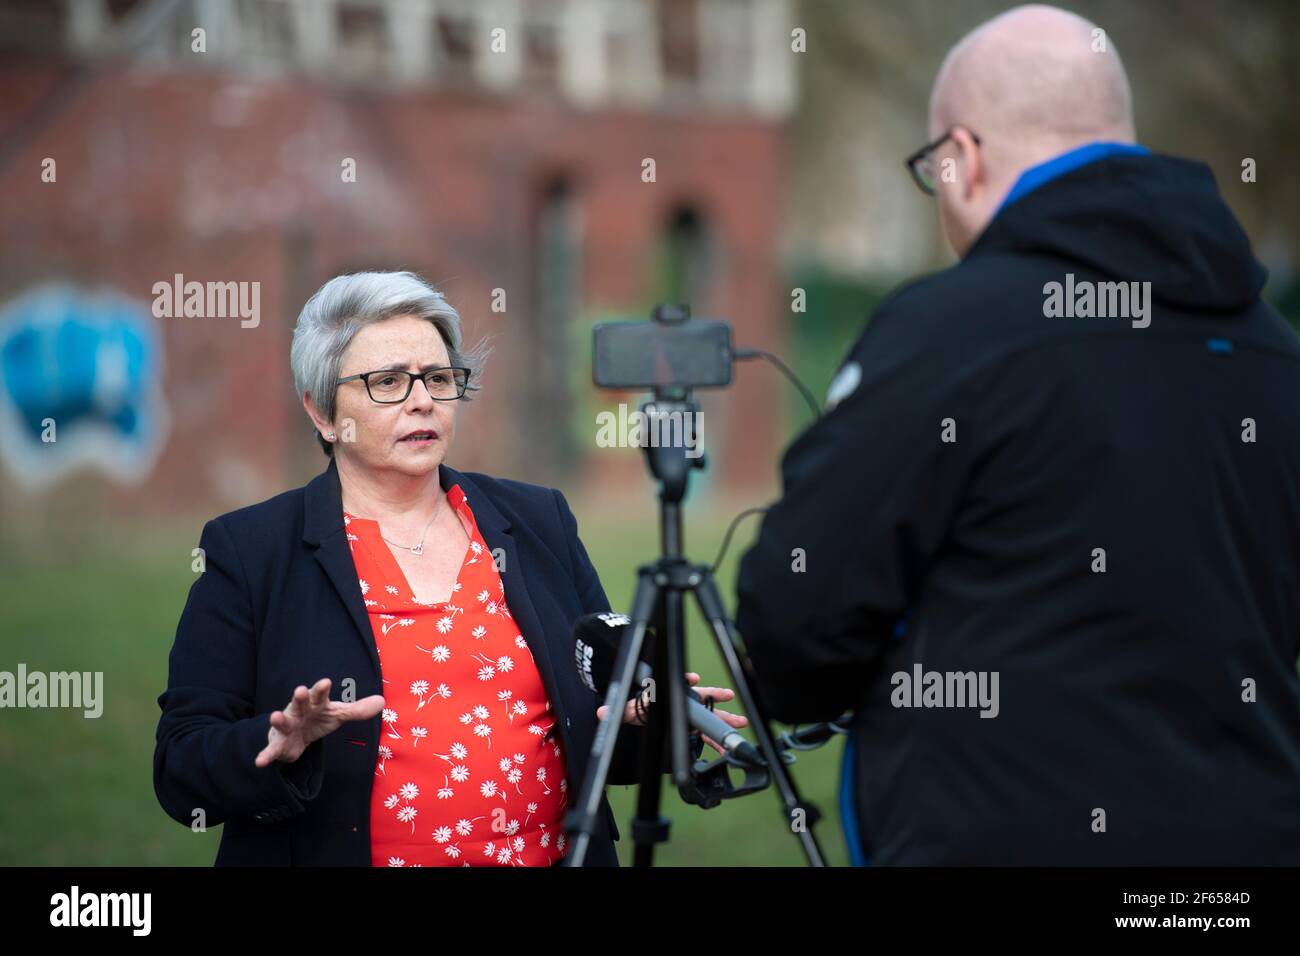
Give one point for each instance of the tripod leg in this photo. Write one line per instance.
(580, 822)
(799, 815)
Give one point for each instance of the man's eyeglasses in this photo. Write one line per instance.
(921, 163)
(391, 386)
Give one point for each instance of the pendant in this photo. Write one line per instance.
(418, 549)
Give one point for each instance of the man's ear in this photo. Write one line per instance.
(972, 160)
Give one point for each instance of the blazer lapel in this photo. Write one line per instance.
(495, 528)
(323, 529)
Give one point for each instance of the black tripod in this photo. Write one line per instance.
(659, 603)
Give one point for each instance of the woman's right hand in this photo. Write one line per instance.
(310, 716)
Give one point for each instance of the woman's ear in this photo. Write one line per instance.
(323, 424)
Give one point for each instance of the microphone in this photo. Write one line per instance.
(596, 638)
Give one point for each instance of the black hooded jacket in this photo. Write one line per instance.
(1101, 510)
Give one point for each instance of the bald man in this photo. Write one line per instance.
(1045, 542)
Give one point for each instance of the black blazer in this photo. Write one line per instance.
(279, 605)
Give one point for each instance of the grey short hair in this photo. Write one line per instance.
(346, 304)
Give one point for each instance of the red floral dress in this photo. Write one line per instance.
(468, 772)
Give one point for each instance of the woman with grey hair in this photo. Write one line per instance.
(416, 619)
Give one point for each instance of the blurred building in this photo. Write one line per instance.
(498, 147)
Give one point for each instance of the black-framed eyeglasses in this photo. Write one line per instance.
(389, 386)
(921, 163)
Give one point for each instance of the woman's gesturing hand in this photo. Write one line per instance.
(311, 715)
(630, 715)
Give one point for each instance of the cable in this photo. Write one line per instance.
(803, 389)
(726, 539)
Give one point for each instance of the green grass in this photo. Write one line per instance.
(79, 791)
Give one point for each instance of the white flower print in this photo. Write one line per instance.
(365, 587)
(496, 659)
(419, 688)
(559, 842)
(396, 861)
(440, 654)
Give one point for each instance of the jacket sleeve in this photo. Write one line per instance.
(209, 734)
(627, 748)
(868, 494)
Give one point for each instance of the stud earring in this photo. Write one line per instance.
(330, 436)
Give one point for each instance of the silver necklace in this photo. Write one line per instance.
(419, 548)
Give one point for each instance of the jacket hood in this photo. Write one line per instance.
(1152, 218)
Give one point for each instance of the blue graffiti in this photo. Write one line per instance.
(88, 361)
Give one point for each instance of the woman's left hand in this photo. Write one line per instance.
(630, 715)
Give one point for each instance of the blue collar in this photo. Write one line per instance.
(1035, 176)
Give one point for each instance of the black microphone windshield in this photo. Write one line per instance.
(595, 645)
